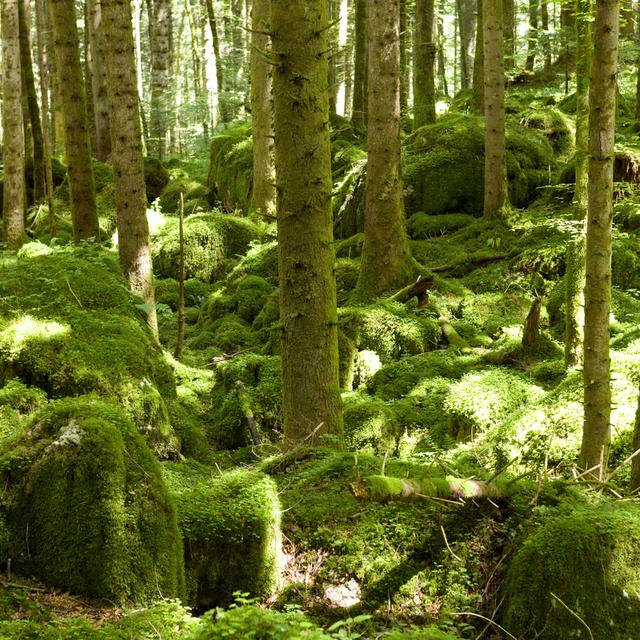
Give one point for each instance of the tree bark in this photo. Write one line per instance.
(602, 103)
(263, 194)
(223, 109)
(66, 47)
(405, 67)
(311, 389)
(13, 153)
(360, 66)
(441, 55)
(477, 97)
(29, 85)
(126, 144)
(509, 13)
(495, 171)
(424, 89)
(544, 36)
(467, 24)
(532, 37)
(386, 260)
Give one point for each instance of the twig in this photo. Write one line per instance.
(15, 585)
(573, 613)
(477, 615)
(622, 464)
(73, 293)
(444, 535)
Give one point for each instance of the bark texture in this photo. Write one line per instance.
(509, 13)
(74, 115)
(311, 390)
(264, 193)
(495, 171)
(424, 89)
(477, 97)
(602, 103)
(360, 65)
(532, 37)
(126, 143)
(13, 153)
(386, 260)
(467, 25)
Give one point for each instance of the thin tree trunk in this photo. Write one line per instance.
(348, 65)
(509, 13)
(442, 60)
(546, 42)
(180, 340)
(237, 55)
(223, 110)
(311, 389)
(477, 98)
(126, 144)
(602, 115)
(333, 12)
(405, 75)
(13, 153)
(467, 23)
(495, 172)
(263, 193)
(386, 260)
(360, 66)
(424, 90)
(26, 64)
(532, 37)
(627, 25)
(74, 113)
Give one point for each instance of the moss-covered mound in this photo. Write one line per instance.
(86, 507)
(69, 326)
(211, 239)
(555, 126)
(580, 569)
(231, 530)
(156, 178)
(194, 193)
(457, 141)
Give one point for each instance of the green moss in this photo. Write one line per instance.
(369, 424)
(250, 296)
(156, 178)
(555, 126)
(420, 225)
(169, 198)
(230, 334)
(584, 557)
(350, 247)
(210, 239)
(88, 510)
(231, 529)
(260, 260)
(493, 312)
(347, 272)
(195, 292)
(68, 325)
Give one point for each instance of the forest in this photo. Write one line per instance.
(320, 320)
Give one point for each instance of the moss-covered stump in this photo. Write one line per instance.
(579, 569)
(210, 240)
(69, 326)
(261, 378)
(87, 509)
(231, 529)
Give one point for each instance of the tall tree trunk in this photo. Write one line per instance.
(161, 32)
(360, 65)
(333, 11)
(467, 24)
(43, 69)
(94, 28)
(405, 67)
(74, 114)
(26, 64)
(223, 109)
(264, 193)
(236, 58)
(126, 143)
(424, 89)
(386, 259)
(495, 172)
(627, 25)
(575, 273)
(348, 64)
(509, 47)
(602, 117)
(532, 37)
(311, 389)
(477, 98)
(441, 54)
(546, 42)
(13, 153)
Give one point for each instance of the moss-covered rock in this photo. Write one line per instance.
(210, 239)
(231, 529)
(369, 424)
(493, 312)
(420, 225)
(87, 508)
(156, 178)
(580, 569)
(167, 292)
(555, 126)
(69, 326)
(192, 190)
(260, 260)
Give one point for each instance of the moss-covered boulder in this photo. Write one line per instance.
(86, 506)
(579, 569)
(69, 326)
(210, 240)
(369, 424)
(156, 178)
(420, 225)
(193, 193)
(555, 126)
(231, 529)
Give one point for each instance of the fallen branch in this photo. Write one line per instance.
(482, 260)
(418, 290)
(245, 405)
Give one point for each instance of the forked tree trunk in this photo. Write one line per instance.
(602, 103)
(311, 391)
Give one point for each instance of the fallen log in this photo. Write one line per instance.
(386, 489)
(417, 289)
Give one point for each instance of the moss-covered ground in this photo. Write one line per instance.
(133, 481)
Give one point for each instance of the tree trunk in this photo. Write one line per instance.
(102, 146)
(575, 273)
(424, 89)
(467, 23)
(161, 32)
(495, 171)
(532, 37)
(236, 58)
(264, 193)
(546, 42)
(405, 67)
(360, 66)
(126, 144)
(223, 109)
(333, 11)
(74, 114)
(311, 390)
(348, 65)
(627, 25)
(509, 13)
(477, 98)
(13, 154)
(441, 55)
(602, 109)
(26, 64)
(634, 483)
(386, 259)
